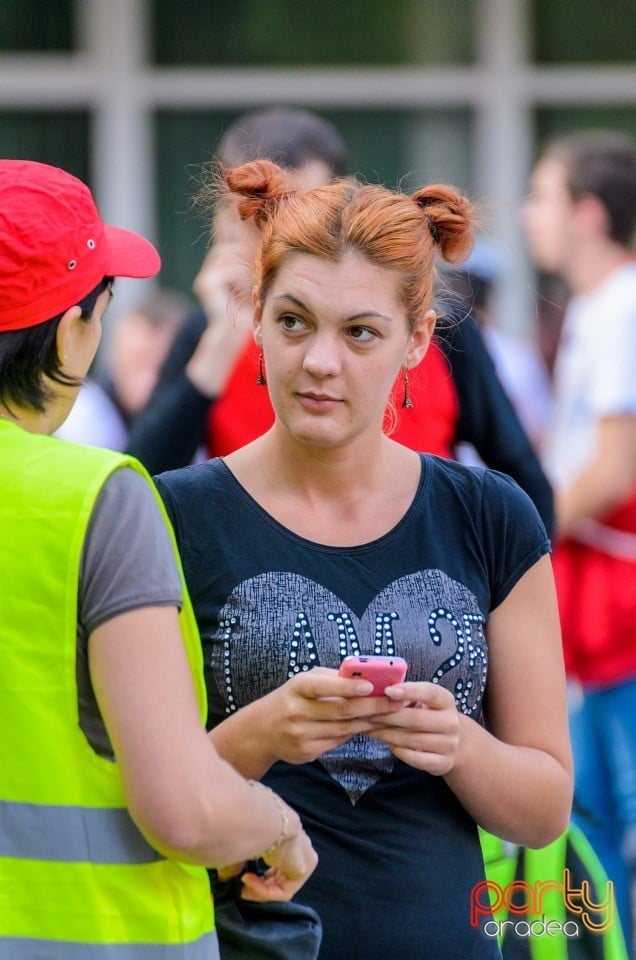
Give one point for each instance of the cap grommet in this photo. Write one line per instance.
(72, 264)
(90, 244)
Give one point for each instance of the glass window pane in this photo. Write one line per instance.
(410, 148)
(32, 26)
(554, 123)
(596, 31)
(318, 32)
(59, 138)
(406, 148)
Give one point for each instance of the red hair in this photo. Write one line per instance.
(393, 230)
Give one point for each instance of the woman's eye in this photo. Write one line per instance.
(361, 334)
(289, 322)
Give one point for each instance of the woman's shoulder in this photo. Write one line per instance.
(464, 473)
(209, 474)
(194, 494)
(445, 472)
(480, 486)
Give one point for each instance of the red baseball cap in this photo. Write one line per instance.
(54, 246)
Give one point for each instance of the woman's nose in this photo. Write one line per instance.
(323, 356)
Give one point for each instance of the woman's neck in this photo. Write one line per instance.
(338, 496)
(338, 473)
(36, 421)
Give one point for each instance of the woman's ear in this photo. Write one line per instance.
(66, 336)
(420, 339)
(258, 316)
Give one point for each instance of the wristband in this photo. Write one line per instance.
(282, 809)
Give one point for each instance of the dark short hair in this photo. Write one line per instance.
(288, 136)
(29, 356)
(602, 164)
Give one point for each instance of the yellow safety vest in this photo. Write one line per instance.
(78, 881)
(541, 868)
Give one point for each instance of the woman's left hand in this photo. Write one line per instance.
(426, 732)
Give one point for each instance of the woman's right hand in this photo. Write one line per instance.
(316, 711)
(310, 713)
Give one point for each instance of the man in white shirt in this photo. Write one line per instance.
(580, 222)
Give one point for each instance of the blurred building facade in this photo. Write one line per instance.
(132, 95)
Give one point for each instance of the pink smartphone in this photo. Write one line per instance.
(381, 671)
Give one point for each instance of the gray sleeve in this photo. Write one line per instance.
(128, 560)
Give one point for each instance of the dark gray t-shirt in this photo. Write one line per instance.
(398, 854)
(127, 563)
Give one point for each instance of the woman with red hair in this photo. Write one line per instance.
(324, 537)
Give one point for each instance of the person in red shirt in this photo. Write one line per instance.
(580, 221)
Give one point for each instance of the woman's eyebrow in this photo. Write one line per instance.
(355, 316)
(293, 299)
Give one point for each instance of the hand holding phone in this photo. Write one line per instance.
(380, 671)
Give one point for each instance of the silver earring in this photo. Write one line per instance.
(407, 402)
(261, 380)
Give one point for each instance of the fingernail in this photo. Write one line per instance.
(394, 692)
(363, 688)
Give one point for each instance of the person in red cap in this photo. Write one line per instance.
(106, 821)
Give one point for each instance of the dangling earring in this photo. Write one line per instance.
(260, 380)
(406, 399)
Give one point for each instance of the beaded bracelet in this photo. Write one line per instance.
(282, 809)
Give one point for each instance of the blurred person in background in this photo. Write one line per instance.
(208, 391)
(580, 221)
(551, 300)
(519, 364)
(120, 386)
(137, 347)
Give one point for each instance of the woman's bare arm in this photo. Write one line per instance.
(188, 802)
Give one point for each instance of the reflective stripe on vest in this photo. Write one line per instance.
(541, 867)
(23, 948)
(71, 834)
(614, 947)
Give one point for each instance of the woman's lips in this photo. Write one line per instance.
(317, 401)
